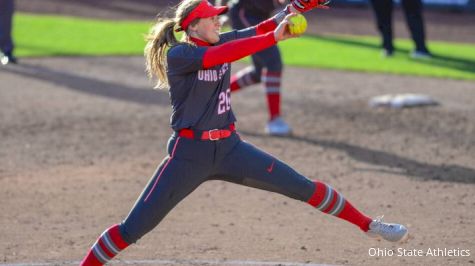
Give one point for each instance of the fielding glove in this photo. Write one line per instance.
(306, 5)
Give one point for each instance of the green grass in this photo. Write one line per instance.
(37, 35)
(451, 60)
(55, 35)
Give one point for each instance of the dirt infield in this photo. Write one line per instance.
(81, 136)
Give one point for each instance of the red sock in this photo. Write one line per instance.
(327, 200)
(271, 82)
(107, 246)
(273, 103)
(242, 79)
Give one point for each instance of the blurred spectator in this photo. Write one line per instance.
(266, 65)
(6, 42)
(413, 12)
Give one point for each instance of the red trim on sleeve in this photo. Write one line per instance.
(266, 26)
(237, 49)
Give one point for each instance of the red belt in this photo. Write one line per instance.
(213, 134)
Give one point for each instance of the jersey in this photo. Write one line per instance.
(200, 98)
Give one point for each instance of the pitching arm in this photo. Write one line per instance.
(259, 29)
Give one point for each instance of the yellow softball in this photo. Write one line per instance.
(299, 24)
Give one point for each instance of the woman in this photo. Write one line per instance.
(205, 144)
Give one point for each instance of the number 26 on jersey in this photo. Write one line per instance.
(224, 104)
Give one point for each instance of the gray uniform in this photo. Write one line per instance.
(201, 101)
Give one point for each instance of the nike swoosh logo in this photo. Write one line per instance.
(271, 167)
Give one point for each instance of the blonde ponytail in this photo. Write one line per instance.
(160, 38)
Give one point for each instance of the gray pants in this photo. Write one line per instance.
(6, 15)
(192, 162)
(269, 58)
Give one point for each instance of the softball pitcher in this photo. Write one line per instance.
(205, 144)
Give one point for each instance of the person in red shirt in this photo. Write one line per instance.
(205, 145)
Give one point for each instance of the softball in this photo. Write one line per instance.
(298, 26)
